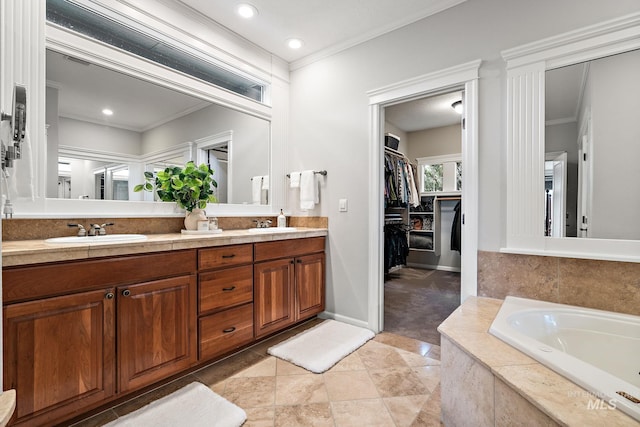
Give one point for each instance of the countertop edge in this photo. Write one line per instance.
(25, 252)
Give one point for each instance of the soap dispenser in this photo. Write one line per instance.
(282, 220)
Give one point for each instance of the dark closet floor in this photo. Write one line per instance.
(416, 301)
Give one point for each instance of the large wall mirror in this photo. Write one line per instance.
(105, 128)
(573, 181)
(592, 147)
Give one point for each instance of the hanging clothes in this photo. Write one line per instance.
(456, 229)
(396, 247)
(400, 187)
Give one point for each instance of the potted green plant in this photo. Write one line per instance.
(190, 187)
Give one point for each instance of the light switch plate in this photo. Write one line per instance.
(342, 205)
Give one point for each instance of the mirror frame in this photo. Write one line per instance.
(526, 67)
(67, 42)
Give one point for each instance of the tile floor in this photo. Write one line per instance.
(390, 381)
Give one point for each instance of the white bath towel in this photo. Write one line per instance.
(256, 189)
(308, 190)
(294, 179)
(265, 182)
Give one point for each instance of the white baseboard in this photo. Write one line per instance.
(344, 319)
(434, 267)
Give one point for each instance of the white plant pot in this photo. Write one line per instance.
(191, 218)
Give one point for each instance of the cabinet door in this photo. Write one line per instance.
(309, 285)
(274, 304)
(156, 330)
(59, 354)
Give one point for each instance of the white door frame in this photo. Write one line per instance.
(462, 76)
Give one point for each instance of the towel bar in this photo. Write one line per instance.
(323, 173)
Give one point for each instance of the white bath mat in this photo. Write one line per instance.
(319, 348)
(195, 405)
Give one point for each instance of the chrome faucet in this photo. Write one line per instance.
(262, 223)
(98, 230)
(81, 231)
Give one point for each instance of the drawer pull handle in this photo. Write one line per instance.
(228, 256)
(126, 293)
(229, 330)
(229, 289)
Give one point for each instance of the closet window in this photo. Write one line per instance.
(432, 178)
(440, 174)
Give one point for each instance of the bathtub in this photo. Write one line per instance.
(598, 350)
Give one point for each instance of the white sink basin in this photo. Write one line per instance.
(272, 230)
(98, 239)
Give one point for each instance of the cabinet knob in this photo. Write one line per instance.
(126, 293)
(109, 295)
(229, 330)
(229, 289)
(299, 261)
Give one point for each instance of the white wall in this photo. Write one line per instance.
(81, 134)
(249, 150)
(615, 110)
(330, 120)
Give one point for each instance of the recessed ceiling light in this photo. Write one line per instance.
(107, 112)
(246, 10)
(294, 43)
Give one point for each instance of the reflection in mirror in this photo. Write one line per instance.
(592, 145)
(103, 156)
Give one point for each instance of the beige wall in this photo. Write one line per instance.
(435, 142)
(604, 285)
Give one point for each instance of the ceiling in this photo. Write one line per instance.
(325, 26)
(424, 113)
(85, 89)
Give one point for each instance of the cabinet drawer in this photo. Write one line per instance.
(225, 288)
(288, 248)
(225, 331)
(31, 282)
(225, 256)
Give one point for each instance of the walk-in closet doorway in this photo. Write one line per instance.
(415, 294)
(423, 172)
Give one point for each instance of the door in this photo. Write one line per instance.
(584, 186)
(273, 299)
(156, 330)
(59, 353)
(309, 285)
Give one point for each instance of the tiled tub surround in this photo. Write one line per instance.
(486, 382)
(604, 285)
(22, 252)
(44, 228)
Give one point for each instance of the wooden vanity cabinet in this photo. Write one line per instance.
(156, 330)
(59, 354)
(289, 282)
(225, 299)
(62, 322)
(79, 334)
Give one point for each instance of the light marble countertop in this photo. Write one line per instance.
(559, 398)
(23, 252)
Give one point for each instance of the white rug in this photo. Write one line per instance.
(319, 348)
(195, 405)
